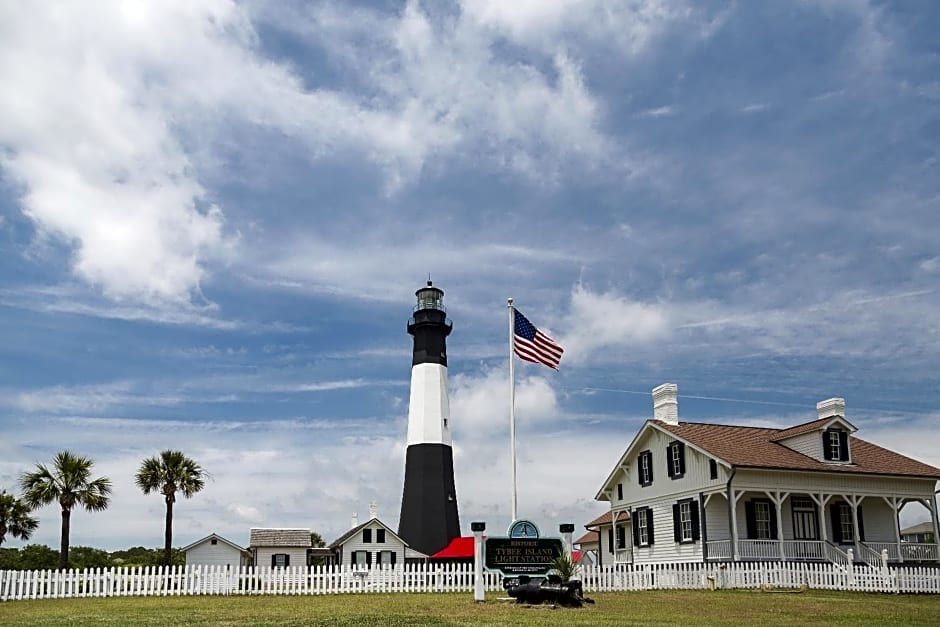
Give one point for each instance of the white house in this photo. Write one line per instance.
(279, 547)
(214, 550)
(372, 542)
(814, 491)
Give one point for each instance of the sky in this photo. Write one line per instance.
(214, 216)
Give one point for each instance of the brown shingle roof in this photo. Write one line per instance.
(806, 427)
(754, 447)
(280, 537)
(588, 538)
(606, 518)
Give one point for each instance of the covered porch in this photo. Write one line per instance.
(757, 524)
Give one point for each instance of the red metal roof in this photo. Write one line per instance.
(457, 549)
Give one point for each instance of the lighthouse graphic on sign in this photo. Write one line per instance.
(429, 519)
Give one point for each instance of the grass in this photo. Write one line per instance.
(737, 607)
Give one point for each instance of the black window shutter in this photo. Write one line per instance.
(620, 491)
(669, 461)
(394, 556)
(681, 448)
(772, 510)
(827, 449)
(649, 524)
(861, 524)
(621, 537)
(352, 557)
(287, 559)
(639, 468)
(378, 557)
(676, 523)
(273, 560)
(749, 520)
(380, 535)
(712, 469)
(844, 445)
(649, 458)
(368, 558)
(367, 535)
(696, 532)
(834, 511)
(610, 539)
(636, 528)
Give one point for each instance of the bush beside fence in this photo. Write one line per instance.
(217, 580)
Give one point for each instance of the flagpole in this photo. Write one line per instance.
(512, 403)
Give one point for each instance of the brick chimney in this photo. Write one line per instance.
(666, 403)
(831, 407)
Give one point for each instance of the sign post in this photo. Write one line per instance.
(478, 528)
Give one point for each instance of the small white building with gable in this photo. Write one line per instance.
(214, 550)
(279, 548)
(372, 543)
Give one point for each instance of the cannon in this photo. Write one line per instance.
(549, 590)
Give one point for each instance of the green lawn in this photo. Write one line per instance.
(624, 608)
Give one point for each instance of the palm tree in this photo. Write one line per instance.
(168, 474)
(15, 518)
(69, 483)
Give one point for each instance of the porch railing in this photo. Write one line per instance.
(719, 550)
(623, 556)
(919, 551)
(890, 547)
(870, 557)
(836, 555)
(759, 549)
(803, 550)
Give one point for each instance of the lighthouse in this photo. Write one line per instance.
(429, 519)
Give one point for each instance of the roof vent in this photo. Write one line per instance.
(666, 403)
(831, 407)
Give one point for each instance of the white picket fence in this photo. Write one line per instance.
(215, 580)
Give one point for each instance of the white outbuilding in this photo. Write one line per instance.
(214, 550)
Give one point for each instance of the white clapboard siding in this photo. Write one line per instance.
(433, 578)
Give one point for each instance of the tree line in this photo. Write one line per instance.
(42, 557)
(68, 482)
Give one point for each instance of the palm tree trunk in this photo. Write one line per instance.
(168, 532)
(64, 542)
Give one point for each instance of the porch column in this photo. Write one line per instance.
(733, 506)
(778, 501)
(821, 501)
(936, 524)
(854, 501)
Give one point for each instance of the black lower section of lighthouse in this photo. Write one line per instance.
(429, 518)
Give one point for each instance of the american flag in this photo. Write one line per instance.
(532, 345)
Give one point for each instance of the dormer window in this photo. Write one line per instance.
(835, 445)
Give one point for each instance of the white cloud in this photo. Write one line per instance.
(602, 322)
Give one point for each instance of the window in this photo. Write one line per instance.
(835, 445)
(619, 491)
(642, 526)
(280, 560)
(761, 519)
(380, 536)
(621, 537)
(685, 521)
(843, 523)
(360, 558)
(675, 460)
(385, 557)
(213, 541)
(366, 536)
(712, 469)
(645, 465)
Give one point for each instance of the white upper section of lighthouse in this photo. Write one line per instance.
(429, 407)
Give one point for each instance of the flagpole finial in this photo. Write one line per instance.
(509, 301)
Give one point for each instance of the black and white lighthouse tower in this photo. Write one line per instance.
(429, 519)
